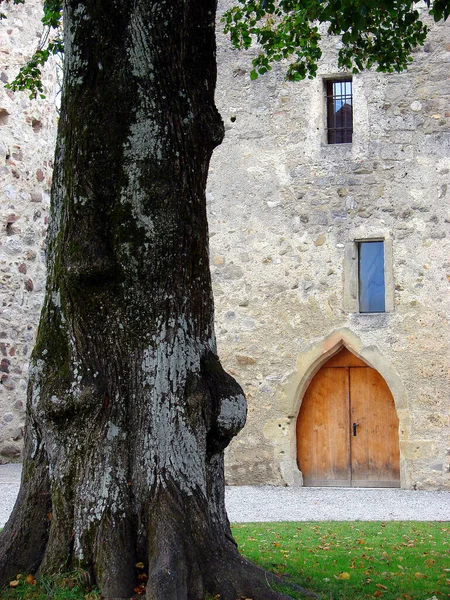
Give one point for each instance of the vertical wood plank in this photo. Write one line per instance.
(322, 429)
(345, 358)
(375, 455)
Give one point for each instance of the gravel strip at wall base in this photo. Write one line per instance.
(246, 504)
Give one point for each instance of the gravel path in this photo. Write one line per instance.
(248, 503)
(335, 504)
(9, 486)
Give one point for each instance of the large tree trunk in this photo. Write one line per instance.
(129, 409)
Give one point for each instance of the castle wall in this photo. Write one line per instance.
(27, 134)
(286, 210)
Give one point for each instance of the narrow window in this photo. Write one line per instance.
(371, 277)
(339, 111)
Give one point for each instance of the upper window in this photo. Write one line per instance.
(339, 111)
(371, 277)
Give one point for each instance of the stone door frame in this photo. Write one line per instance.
(283, 433)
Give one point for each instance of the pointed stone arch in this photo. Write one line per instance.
(283, 433)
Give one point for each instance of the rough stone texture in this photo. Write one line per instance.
(284, 206)
(27, 132)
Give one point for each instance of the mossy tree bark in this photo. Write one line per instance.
(129, 409)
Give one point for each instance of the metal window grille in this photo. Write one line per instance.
(339, 111)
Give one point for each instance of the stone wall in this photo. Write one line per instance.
(285, 210)
(27, 133)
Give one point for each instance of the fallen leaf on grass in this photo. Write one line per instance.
(381, 586)
(343, 575)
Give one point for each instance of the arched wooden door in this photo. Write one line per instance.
(347, 428)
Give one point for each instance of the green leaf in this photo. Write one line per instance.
(376, 34)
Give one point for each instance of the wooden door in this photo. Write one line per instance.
(375, 456)
(347, 428)
(322, 430)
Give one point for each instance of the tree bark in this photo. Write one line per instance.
(129, 409)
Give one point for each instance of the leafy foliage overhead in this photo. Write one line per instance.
(29, 77)
(380, 34)
(374, 34)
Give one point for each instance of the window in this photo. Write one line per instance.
(368, 274)
(371, 285)
(339, 111)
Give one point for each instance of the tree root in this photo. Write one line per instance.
(247, 580)
(192, 556)
(24, 538)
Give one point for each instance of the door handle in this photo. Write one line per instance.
(355, 425)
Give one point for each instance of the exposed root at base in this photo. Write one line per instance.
(250, 581)
(223, 575)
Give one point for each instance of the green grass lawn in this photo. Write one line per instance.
(68, 586)
(339, 561)
(355, 560)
